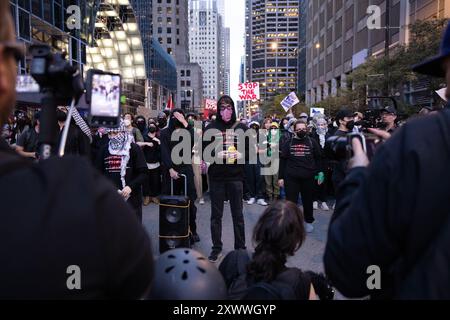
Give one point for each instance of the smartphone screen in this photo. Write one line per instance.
(105, 99)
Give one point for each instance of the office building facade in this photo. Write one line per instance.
(190, 87)
(338, 39)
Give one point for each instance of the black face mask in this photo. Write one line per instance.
(162, 123)
(177, 124)
(140, 125)
(301, 134)
(61, 116)
(152, 129)
(350, 125)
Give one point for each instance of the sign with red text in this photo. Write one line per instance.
(248, 91)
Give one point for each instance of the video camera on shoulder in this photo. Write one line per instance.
(341, 147)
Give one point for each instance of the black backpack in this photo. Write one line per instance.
(284, 287)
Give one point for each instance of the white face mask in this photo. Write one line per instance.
(274, 131)
(127, 122)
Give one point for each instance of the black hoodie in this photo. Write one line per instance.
(225, 171)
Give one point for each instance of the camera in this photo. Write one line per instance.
(55, 75)
(372, 119)
(340, 147)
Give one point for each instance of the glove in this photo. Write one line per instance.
(320, 178)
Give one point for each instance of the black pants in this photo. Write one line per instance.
(320, 192)
(255, 180)
(305, 186)
(178, 189)
(152, 185)
(219, 191)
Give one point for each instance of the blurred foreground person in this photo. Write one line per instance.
(73, 237)
(393, 217)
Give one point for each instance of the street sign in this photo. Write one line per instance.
(248, 91)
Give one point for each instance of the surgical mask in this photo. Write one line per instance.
(152, 129)
(127, 122)
(274, 132)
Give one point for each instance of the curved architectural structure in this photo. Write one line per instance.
(118, 46)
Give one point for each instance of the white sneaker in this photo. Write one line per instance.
(202, 201)
(325, 206)
(315, 205)
(261, 202)
(251, 201)
(309, 227)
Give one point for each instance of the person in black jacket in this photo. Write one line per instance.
(177, 123)
(226, 175)
(300, 163)
(73, 224)
(123, 162)
(393, 216)
(152, 152)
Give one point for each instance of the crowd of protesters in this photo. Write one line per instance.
(388, 214)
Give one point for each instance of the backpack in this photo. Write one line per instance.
(284, 287)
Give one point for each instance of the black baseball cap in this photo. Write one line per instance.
(389, 109)
(344, 113)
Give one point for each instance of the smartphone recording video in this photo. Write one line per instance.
(104, 98)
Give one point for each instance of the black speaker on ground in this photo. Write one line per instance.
(174, 222)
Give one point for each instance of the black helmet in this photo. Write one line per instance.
(185, 274)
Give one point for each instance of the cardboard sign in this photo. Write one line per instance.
(248, 91)
(315, 111)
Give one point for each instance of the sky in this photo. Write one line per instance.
(235, 20)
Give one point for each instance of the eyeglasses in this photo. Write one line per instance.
(16, 48)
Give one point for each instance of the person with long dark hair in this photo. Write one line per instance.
(278, 235)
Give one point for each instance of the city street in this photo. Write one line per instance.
(309, 257)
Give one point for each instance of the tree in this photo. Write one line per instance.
(424, 43)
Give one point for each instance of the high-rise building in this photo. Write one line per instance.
(338, 39)
(301, 52)
(248, 38)
(190, 88)
(227, 57)
(204, 43)
(171, 27)
(274, 42)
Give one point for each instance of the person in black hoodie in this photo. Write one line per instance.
(300, 163)
(123, 162)
(226, 176)
(177, 122)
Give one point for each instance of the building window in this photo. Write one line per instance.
(169, 1)
(169, 50)
(169, 30)
(188, 73)
(160, 40)
(182, 73)
(169, 40)
(159, 10)
(160, 19)
(160, 30)
(169, 20)
(178, 42)
(182, 83)
(169, 10)
(188, 83)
